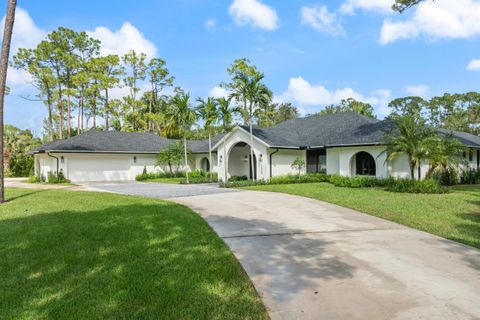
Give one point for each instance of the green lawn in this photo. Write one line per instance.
(79, 255)
(455, 215)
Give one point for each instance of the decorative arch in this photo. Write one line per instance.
(363, 164)
(239, 161)
(205, 164)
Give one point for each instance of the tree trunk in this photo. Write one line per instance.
(60, 111)
(78, 120)
(225, 161)
(69, 124)
(186, 160)
(106, 110)
(412, 169)
(7, 37)
(94, 108)
(81, 116)
(430, 171)
(50, 116)
(210, 154)
(419, 170)
(251, 145)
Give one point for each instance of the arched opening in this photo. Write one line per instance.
(363, 164)
(240, 162)
(205, 164)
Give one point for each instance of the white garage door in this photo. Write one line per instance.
(100, 168)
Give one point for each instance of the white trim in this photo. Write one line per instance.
(247, 132)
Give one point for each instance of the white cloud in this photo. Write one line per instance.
(120, 41)
(218, 92)
(210, 23)
(440, 19)
(417, 90)
(321, 20)
(474, 65)
(306, 96)
(25, 35)
(350, 7)
(254, 13)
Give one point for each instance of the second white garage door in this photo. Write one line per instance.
(99, 168)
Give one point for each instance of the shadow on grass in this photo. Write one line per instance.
(285, 259)
(129, 261)
(25, 194)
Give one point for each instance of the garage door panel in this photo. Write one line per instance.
(100, 169)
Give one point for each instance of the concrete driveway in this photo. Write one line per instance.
(313, 260)
(157, 190)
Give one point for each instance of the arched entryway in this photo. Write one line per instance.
(240, 162)
(363, 164)
(205, 164)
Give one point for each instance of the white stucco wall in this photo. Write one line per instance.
(259, 148)
(339, 160)
(197, 161)
(283, 159)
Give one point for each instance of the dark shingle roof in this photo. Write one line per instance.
(346, 128)
(118, 142)
(338, 129)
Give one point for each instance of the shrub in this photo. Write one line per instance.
(54, 178)
(237, 178)
(36, 179)
(358, 182)
(447, 178)
(470, 176)
(158, 175)
(21, 165)
(416, 186)
(303, 178)
(198, 174)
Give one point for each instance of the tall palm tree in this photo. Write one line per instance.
(208, 111)
(181, 116)
(411, 137)
(7, 38)
(225, 115)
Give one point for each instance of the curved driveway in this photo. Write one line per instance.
(312, 260)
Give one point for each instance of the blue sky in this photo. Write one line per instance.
(312, 52)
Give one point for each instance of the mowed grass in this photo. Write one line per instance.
(455, 215)
(79, 255)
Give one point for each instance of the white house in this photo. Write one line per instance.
(347, 144)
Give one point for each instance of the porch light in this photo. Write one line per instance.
(134, 159)
(245, 158)
(260, 158)
(62, 159)
(221, 159)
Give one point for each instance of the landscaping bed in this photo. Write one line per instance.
(72, 254)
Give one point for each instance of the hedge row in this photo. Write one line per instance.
(390, 184)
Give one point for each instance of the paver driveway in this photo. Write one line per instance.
(313, 260)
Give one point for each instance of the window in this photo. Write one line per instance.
(470, 155)
(316, 160)
(365, 164)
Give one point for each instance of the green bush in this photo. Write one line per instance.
(447, 178)
(359, 181)
(36, 179)
(158, 175)
(470, 176)
(54, 178)
(303, 178)
(21, 165)
(237, 178)
(416, 186)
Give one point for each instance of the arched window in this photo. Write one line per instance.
(205, 165)
(365, 164)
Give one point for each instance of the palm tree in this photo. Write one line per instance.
(411, 137)
(181, 116)
(208, 111)
(225, 115)
(444, 152)
(7, 38)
